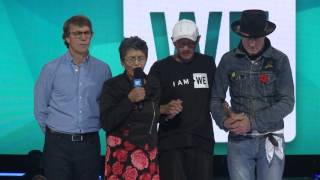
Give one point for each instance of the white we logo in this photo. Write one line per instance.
(200, 80)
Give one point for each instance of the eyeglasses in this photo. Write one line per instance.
(78, 34)
(133, 59)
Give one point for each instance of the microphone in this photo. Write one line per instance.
(138, 81)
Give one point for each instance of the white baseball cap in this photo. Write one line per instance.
(185, 29)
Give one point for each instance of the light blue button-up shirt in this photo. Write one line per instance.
(66, 96)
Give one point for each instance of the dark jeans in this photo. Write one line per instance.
(186, 164)
(68, 158)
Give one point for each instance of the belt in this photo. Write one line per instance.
(269, 135)
(72, 137)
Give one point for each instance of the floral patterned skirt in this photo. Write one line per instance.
(126, 161)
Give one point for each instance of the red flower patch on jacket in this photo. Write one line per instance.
(264, 78)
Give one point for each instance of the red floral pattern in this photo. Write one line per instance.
(153, 168)
(113, 141)
(125, 160)
(156, 177)
(145, 176)
(264, 78)
(121, 155)
(153, 153)
(108, 153)
(139, 159)
(113, 177)
(107, 170)
(130, 173)
(117, 168)
(128, 146)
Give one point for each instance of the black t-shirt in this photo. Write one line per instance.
(191, 82)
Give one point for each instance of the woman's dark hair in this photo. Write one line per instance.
(133, 42)
(78, 20)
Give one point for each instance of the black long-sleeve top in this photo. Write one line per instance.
(121, 117)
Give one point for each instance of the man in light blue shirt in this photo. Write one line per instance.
(66, 103)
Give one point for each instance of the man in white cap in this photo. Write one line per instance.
(262, 94)
(185, 133)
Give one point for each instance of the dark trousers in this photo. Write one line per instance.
(68, 158)
(186, 164)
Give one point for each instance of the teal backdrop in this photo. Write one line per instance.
(32, 36)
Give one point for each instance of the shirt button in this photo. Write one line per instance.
(80, 111)
(80, 97)
(76, 69)
(80, 83)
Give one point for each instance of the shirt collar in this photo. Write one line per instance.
(69, 58)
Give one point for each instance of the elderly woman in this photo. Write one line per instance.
(129, 115)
